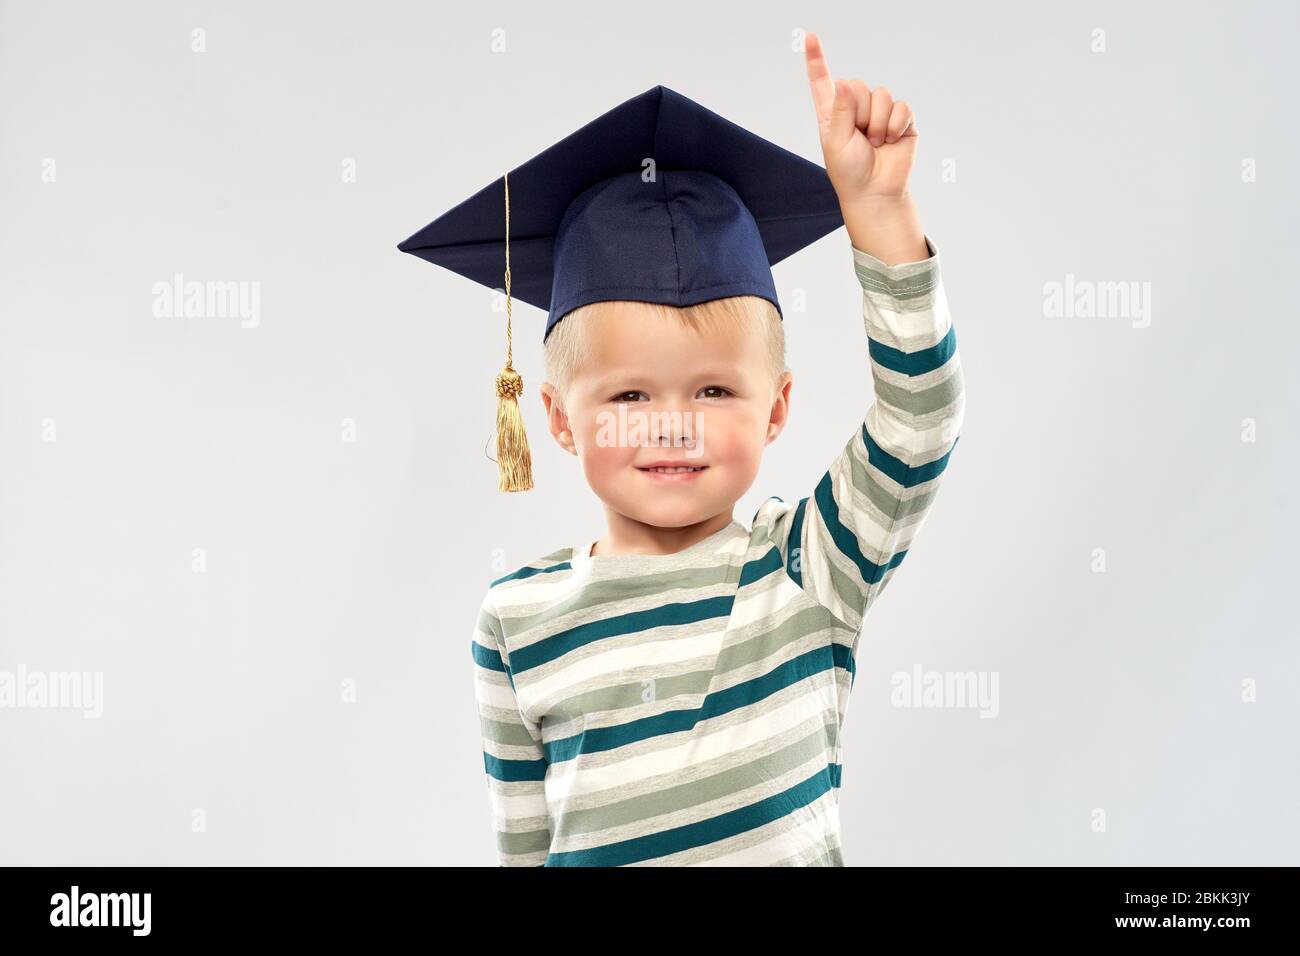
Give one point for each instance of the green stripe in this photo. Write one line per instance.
(599, 594)
(521, 844)
(921, 402)
(506, 733)
(904, 288)
(863, 479)
(752, 773)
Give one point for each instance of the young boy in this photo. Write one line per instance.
(672, 693)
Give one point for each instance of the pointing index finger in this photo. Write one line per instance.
(819, 77)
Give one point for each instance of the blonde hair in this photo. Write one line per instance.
(567, 347)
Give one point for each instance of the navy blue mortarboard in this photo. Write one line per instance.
(657, 200)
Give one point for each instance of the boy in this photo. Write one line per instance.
(672, 693)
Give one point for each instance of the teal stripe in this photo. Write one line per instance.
(704, 832)
(793, 540)
(844, 660)
(760, 568)
(845, 540)
(513, 771)
(906, 475)
(599, 739)
(527, 572)
(556, 646)
(489, 659)
(794, 545)
(914, 363)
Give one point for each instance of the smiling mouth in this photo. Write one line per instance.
(674, 470)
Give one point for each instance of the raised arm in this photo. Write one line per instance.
(843, 543)
(512, 751)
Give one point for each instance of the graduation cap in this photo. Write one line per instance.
(657, 200)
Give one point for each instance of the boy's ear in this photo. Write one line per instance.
(780, 407)
(557, 421)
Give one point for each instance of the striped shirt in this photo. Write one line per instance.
(685, 709)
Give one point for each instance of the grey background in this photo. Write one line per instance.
(332, 561)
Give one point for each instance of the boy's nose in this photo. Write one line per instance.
(674, 426)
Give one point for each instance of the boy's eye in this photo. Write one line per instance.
(709, 391)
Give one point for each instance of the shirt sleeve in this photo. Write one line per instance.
(513, 758)
(843, 543)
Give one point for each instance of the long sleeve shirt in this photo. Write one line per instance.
(685, 709)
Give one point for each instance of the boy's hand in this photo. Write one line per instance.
(869, 144)
(868, 139)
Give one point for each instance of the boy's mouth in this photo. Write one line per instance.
(672, 471)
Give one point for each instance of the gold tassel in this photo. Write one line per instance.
(514, 462)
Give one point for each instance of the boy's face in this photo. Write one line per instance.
(652, 391)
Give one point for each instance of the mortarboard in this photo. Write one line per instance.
(657, 200)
